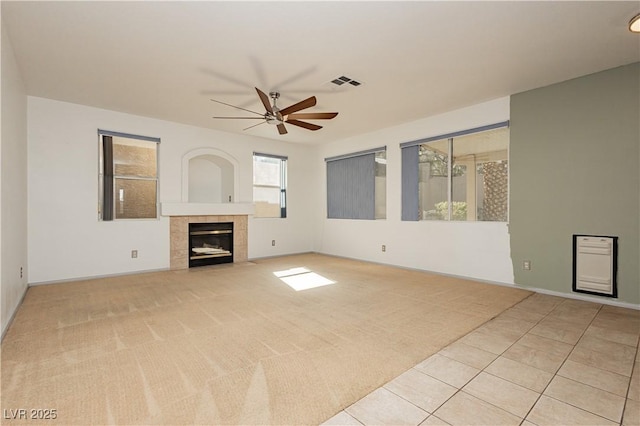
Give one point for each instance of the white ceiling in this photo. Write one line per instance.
(415, 59)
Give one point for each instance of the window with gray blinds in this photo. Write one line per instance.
(351, 185)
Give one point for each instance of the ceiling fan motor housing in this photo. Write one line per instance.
(276, 117)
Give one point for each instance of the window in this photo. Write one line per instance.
(270, 185)
(356, 185)
(128, 176)
(459, 177)
(380, 187)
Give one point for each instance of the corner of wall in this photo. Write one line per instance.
(13, 184)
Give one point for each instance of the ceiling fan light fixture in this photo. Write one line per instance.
(272, 119)
(634, 24)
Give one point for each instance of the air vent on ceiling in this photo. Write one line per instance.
(345, 80)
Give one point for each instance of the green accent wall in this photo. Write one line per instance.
(575, 169)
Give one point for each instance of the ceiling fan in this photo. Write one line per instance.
(276, 116)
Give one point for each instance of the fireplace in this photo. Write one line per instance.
(210, 243)
(179, 252)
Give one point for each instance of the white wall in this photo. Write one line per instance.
(301, 202)
(67, 241)
(205, 181)
(13, 181)
(473, 249)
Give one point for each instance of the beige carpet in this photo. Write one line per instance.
(231, 344)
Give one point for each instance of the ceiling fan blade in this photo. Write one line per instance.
(242, 118)
(247, 128)
(307, 103)
(281, 129)
(265, 100)
(313, 115)
(304, 124)
(237, 107)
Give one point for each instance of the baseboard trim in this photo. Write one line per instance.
(275, 256)
(96, 277)
(585, 298)
(427, 271)
(13, 315)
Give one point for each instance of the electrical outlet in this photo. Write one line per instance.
(384, 248)
(134, 254)
(526, 265)
(21, 272)
(273, 243)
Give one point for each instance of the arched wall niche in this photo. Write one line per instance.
(209, 176)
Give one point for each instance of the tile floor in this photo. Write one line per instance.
(545, 361)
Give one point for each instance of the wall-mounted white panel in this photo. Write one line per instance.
(594, 270)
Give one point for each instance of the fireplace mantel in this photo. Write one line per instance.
(206, 209)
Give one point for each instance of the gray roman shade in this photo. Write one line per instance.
(351, 185)
(107, 167)
(410, 209)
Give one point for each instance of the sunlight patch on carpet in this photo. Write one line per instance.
(302, 278)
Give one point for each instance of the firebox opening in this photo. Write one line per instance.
(210, 243)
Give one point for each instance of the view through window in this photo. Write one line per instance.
(128, 176)
(380, 190)
(465, 178)
(270, 185)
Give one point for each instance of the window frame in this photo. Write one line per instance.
(408, 175)
(283, 182)
(104, 155)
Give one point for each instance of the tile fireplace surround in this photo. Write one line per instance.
(179, 236)
(181, 214)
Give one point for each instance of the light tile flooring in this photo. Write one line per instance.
(545, 361)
